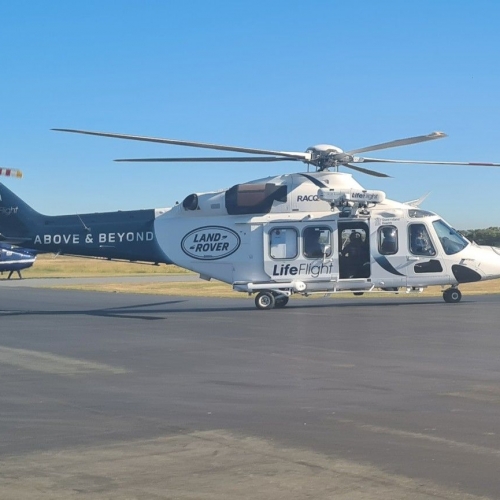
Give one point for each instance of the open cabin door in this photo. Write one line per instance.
(354, 250)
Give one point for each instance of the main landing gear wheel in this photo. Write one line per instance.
(265, 300)
(280, 301)
(452, 295)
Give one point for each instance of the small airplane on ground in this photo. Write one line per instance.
(304, 233)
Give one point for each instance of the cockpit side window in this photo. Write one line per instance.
(451, 240)
(420, 241)
(387, 240)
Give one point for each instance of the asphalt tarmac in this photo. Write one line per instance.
(136, 396)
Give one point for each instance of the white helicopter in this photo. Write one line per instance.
(306, 233)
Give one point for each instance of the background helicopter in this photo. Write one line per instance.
(13, 259)
(310, 233)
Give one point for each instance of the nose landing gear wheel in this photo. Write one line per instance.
(452, 295)
(265, 300)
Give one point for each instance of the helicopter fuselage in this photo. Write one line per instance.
(305, 243)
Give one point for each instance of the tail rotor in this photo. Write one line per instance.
(11, 172)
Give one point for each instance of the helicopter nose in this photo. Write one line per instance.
(490, 262)
(477, 263)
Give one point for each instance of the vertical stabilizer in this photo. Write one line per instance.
(17, 219)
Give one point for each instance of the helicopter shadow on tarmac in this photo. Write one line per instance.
(155, 311)
(139, 311)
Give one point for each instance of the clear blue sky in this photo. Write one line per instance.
(268, 74)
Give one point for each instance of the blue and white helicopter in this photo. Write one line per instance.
(13, 259)
(304, 233)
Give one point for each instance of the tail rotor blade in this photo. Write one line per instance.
(11, 172)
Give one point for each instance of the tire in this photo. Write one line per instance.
(280, 301)
(452, 295)
(265, 300)
(358, 294)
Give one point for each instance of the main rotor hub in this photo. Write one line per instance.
(324, 156)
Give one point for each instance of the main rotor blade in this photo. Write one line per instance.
(400, 142)
(427, 162)
(236, 149)
(366, 171)
(214, 159)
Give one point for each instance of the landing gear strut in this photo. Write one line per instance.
(280, 301)
(452, 295)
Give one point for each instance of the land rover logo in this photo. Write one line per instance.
(210, 243)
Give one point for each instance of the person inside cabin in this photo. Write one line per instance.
(313, 248)
(353, 246)
(355, 253)
(420, 242)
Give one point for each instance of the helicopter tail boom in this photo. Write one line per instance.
(121, 235)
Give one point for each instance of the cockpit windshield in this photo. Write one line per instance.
(451, 240)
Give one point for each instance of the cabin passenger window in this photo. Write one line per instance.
(283, 243)
(387, 240)
(420, 241)
(317, 242)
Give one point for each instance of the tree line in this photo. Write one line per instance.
(489, 236)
